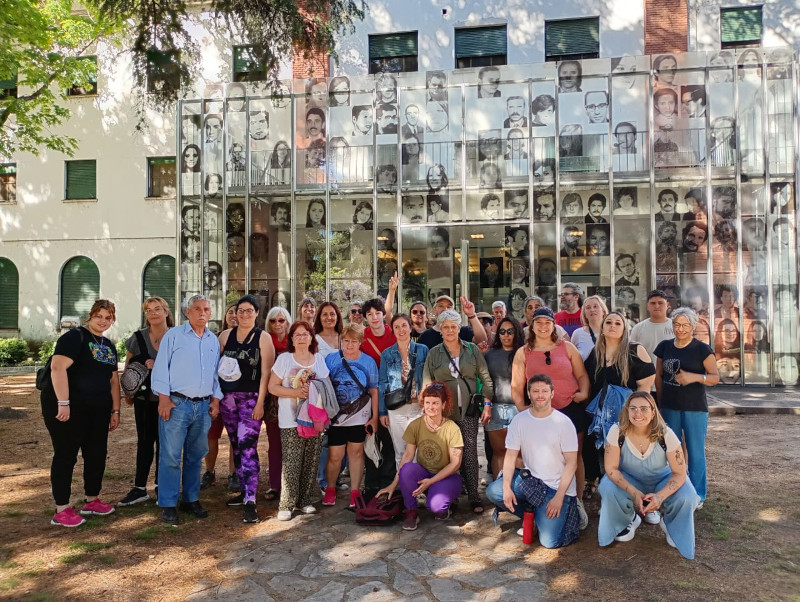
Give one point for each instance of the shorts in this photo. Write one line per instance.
(342, 435)
(578, 415)
(502, 414)
(217, 426)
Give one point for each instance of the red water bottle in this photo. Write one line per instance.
(527, 527)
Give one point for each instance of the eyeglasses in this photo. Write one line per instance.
(246, 312)
(301, 335)
(641, 409)
(418, 312)
(155, 310)
(547, 359)
(682, 326)
(502, 331)
(351, 341)
(602, 106)
(355, 312)
(278, 320)
(567, 294)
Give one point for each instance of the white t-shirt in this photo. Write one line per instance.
(324, 349)
(670, 439)
(287, 369)
(583, 341)
(650, 334)
(543, 442)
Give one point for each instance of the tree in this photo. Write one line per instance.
(40, 42)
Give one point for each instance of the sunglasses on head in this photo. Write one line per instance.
(502, 331)
(547, 359)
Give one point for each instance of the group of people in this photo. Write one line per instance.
(538, 388)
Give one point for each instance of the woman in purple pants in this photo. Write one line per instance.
(436, 441)
(242, 405)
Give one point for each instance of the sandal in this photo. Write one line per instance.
(272, 494)
(477, 507)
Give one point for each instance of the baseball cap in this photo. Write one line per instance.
(544, 312)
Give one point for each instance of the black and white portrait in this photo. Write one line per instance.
(491, 272)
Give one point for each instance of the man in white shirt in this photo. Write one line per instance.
(657, 327)
(546, 484)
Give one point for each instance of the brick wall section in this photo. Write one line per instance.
(666, 26)
(312, 64)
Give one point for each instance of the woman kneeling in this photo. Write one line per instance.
(440, 447)
(645, 472)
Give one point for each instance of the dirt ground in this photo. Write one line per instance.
(748, 534)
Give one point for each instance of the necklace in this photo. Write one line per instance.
(433, 428)
(98, 343)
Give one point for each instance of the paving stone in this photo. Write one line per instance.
(395, 553)
(406, 583)
(332, 592)
(448, 590)
(483, 578)
(374, 568)
(417, 563)
(442, 540)
(242, 590)
(456, 565)
(374, 591)
(521, 591)
(276, 563)
(296, 585)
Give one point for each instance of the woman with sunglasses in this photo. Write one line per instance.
(645, 473)
(545, 353)
(685, 367)
(593, 313)
(289, 382)
(278, 323)
(459, 365)
(328, 325)
(357, 313)
(499, 358)
(435, 473)
(242, 405)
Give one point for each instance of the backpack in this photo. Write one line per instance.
(43, 378)
(661, 442)
(379, 511)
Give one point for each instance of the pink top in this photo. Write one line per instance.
(560, 371)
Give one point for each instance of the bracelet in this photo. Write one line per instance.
(704, 379)
(115, 412)
(63, 403)
(472, 317)
(487, 404)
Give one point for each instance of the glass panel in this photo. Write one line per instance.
(779, 111)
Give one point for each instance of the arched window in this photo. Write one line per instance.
(80, 287)
(9, 294)
(158, 279)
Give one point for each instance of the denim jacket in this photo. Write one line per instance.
(389, 374)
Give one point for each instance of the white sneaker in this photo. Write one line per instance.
(308, 509)
(520, 532)
(699, 506)
(630, 531)
(284, 515)
(652, 518)
(669, 539)
(584, 517)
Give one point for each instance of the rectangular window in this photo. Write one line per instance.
(481, 46)
(81, 180)
(572, 39)
(163, 71)
(8, 182)
(8, 88)
(90, 87)
(246, 67)
(393, 52)
(161, 177)
(740, 27)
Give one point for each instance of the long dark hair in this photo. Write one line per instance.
(519, 335)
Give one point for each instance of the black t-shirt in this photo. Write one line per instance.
(430, 338)
(688, 398)
(637, 370)
(89, 376)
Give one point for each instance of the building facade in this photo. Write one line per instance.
(498, 157)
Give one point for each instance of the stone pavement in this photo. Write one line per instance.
(729, 400)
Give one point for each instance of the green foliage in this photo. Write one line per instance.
(121, 350)
(13, 351)
(46, 350)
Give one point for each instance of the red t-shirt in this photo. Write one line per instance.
(280, 346)
(387, 340)
(569, 322)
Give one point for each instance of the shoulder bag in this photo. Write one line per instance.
(347, 410)
(135, 379)
(401, 396)
(475, 404)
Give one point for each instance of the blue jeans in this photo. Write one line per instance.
(185, 435)
(551, 530)
(693, 427)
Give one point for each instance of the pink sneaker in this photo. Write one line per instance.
(330, 497)
(67, 518)
(97, 507)
(354, 495)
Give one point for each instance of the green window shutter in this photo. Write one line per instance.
(159, 279)
(572, 36)
(393, 45)
(80, 287)
(740, 24)
(82, 179)
(8, 84)
(9, 294)
(481, 41)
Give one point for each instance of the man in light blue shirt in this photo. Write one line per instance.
(185, 378)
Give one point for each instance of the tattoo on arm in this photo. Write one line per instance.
(672, 485)
(679, 457)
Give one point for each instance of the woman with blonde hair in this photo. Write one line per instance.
(593, 313)
(645, 473)
(142, 347)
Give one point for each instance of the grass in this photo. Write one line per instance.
(117, 475)
(13, 513)
(147, 534)
(107, 559)
(8, 584)
(80, 549)
(40, 597)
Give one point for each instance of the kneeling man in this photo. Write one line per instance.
(546, 483)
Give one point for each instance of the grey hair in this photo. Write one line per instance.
(448, 315)
(357, 302)
(278, 311)
(195, 298)
(688, 313)
(536, 298)
(576, 288)
(498, 304)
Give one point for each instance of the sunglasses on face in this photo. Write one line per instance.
(355, 312)
(547, 359)
(418, 312)
(278, 320)
(502, 331)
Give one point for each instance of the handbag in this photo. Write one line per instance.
(135, 379)
(402, 395)
(475, 405)
(356, 406)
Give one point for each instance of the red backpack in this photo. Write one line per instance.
(379, 511)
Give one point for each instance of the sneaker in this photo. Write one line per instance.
(284, 515)
(330, 497)
(137, 495)
(520, 532)
(354, 495)
(443, 515)
(699, 506)
(411, 520)
(170, 515)
(582, 513)
(341, 485)
(669, 539)
(236, 500)
(250, 514)
(67, 518)
(209, 478)
(628, 532)
(233, 483)
(97, 507)
(652, 518)
(308, 509)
